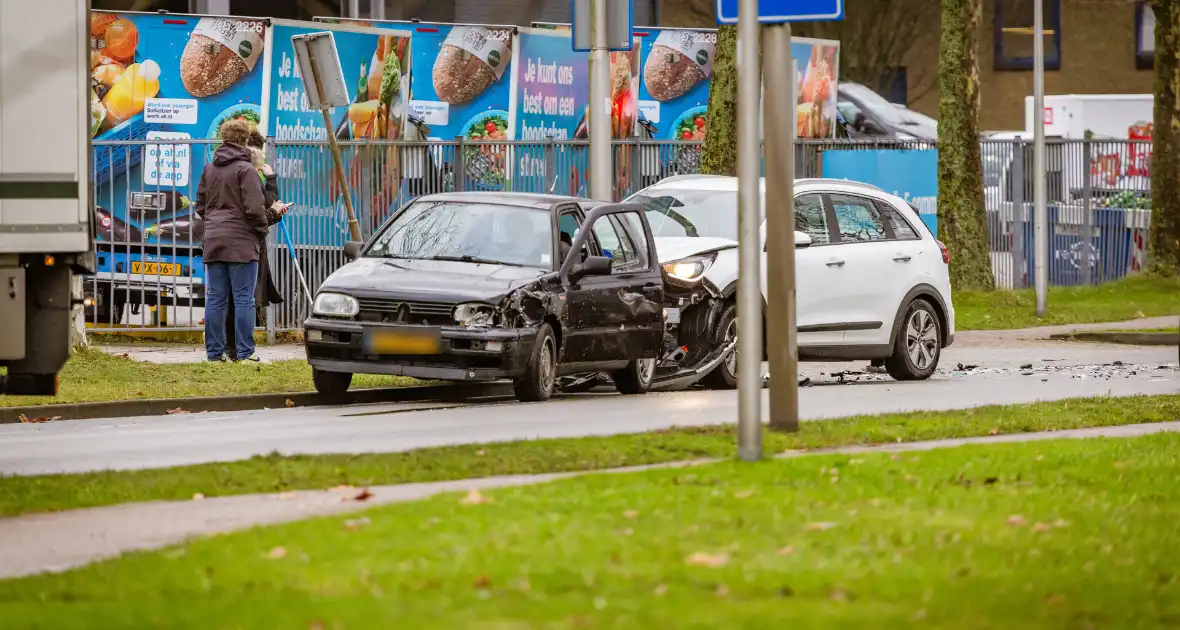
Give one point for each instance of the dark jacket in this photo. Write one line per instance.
(266, 292)
(231, 202)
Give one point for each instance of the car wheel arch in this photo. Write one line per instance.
(930, 295)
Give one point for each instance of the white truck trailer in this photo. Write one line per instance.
(46, 222)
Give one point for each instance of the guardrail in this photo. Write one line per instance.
(151, 276)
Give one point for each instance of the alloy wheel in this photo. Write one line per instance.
(922, 339)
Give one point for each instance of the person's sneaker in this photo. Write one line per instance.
(254, 358)
(220, 359)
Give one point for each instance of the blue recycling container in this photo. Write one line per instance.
(1110, 245)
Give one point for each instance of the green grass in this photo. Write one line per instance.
(96, 376)
(277, 473)
(1061, 534)
(1173, 329)
(1131, 298)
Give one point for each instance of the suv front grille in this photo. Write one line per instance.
(405, 312)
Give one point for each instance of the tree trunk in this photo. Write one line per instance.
(962, 219)
(720, 153)
(1164, 247)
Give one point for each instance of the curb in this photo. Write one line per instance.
(162, 406)
(1127, 338)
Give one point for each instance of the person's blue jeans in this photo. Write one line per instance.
(225, 281)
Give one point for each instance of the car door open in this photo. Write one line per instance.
(615, 298)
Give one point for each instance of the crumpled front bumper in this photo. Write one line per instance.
(464, 354)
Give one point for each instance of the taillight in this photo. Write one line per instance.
(946, 253)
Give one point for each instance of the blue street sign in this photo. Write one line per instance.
(778, 11)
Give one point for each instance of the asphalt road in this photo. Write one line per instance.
(1060, 370)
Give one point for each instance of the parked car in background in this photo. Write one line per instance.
(868, 116)
(871, 280)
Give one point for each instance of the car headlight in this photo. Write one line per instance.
(474, 314)
(691, 268)
(335, 305)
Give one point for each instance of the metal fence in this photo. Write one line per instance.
(151, 276)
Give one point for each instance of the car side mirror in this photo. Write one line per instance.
(592, 266)
(352, 249)
(802, 240)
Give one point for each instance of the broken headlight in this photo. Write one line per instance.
(335, 305)
(474, 314)
(690, 269)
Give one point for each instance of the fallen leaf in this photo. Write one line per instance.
(703, 559)
(176, 411)
(290, 403)
(786, 551)
(744, 494)
(483, 582)
(660, 590)
(631, 514)
(1041, 527)
(27, 420)
(125, 355)
(480, 453)
(474, 498)
(276, 553)
(820, 526)
(198, 496)
(1017, 520)
(1061, 523)
(722, 590)
(994, 432)
(353, 524)
(288, 495)
(838, 594)
(1055, 599)
(364, 495)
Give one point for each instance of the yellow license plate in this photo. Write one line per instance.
(404, 341)
(155, 269)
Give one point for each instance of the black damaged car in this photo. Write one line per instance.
(490, 286)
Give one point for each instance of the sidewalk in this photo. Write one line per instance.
(51, 542)
(192, 353)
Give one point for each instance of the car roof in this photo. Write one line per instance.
(724, 183)
(525, 200)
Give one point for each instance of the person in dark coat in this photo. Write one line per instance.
(231, 202)
(265, 292)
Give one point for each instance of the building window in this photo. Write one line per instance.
(1014, 34)
(1144, 36)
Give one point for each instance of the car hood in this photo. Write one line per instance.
(428, 280)
(672, 248)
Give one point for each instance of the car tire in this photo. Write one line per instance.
(537, 382)
(724, 376)
(918, 345)
(636, 378)
(331, 383)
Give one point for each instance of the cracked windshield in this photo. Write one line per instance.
(468, 232)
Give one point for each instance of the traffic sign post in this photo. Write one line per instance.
(778, 79)
(601, 26)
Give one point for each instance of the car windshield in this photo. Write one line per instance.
(467, 232)
(690, 213)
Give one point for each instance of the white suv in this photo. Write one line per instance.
(871, 280)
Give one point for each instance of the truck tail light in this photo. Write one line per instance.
(946, 253)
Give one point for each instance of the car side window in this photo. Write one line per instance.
(568, 226)
(902, 228)
(858, 220)
(616, 244)
(811, 219)
(633, 223)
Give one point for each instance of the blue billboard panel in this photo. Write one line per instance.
(909, 174)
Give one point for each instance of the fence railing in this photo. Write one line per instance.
(151, 275)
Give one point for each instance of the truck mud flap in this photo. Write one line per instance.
(688, 377)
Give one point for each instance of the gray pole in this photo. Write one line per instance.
(377, 9)
(354, 9)
(1040, 209)
(779, 94)
(749, 363)
(599, 115)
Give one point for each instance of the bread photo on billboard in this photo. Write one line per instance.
(471, 59)
(678, 61)
(218, 53)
